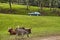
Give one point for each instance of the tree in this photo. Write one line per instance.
(10, 4)
(27, 4)
(3, 1)
(40, 5)
(50, 4)
(58, 3)
(55, 5)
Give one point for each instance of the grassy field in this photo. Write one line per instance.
(41, 25)
(21, 9)
(17, 9)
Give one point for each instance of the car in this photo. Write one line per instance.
(34, 14)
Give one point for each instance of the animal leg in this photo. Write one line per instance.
(27, 35)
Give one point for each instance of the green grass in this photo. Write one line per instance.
(21, 9)
(40, 24)
(17, 9)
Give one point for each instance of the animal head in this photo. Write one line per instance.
(28, 30)
(11, 31)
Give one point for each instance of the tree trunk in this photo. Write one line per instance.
(50, 6)
(27, 3)
(50, 2)
(10, 1)
(18, 1)
(27, 6)
(41, 6)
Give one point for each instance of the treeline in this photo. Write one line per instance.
(45, 3)
(39, 3)
(53, 5)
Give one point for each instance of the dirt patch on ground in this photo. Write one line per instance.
(46, 38)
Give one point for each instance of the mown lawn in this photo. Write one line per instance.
(39, 24)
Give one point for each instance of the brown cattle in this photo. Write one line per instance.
(20, 31)
(12, 32)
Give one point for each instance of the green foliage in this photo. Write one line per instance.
(21, 9)
(16, 9)
(3, 1)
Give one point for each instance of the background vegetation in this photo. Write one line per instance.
(21, 9)
(15, 12)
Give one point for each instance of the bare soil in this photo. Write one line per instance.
(45, 38)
